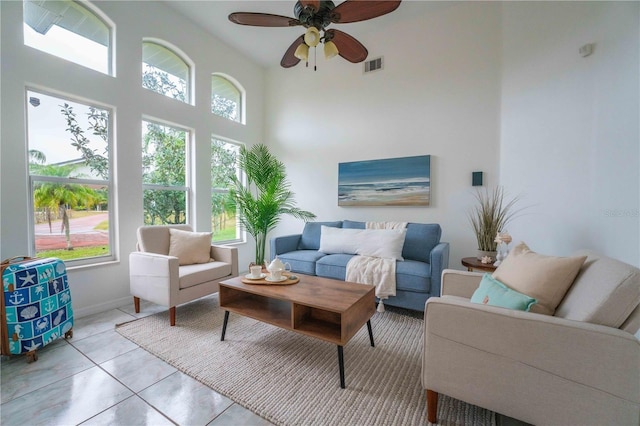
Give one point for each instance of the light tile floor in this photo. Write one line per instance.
(100, 378)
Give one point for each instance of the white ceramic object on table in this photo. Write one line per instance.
(256, 272)
(276, 268)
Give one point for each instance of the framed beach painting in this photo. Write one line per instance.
(404, 181)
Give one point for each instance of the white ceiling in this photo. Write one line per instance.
(267, 45)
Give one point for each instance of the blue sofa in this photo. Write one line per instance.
(417, 277)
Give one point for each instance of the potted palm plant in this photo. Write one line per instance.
(265, 197)
(490, 215)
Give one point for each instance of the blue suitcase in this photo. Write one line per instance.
(36, 306)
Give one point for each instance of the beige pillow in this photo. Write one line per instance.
(189, 247)
(545, 278)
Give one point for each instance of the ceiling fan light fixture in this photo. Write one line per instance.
(330, 50)
(312, 37)
(302, 52)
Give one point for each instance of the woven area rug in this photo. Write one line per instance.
(291, 379)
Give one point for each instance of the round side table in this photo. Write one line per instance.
(472, 263)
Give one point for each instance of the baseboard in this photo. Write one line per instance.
(102, 307)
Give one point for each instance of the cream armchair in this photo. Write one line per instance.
(578, 367)
(159, 278)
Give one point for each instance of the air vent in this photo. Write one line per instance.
(373, 65)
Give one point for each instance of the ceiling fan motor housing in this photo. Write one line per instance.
(309, 17)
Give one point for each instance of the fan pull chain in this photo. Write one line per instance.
(315, 59)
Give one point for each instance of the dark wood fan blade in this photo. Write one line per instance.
(289, 60)
(262, 19)
(358, 10)
(348, 47)
(315, 4)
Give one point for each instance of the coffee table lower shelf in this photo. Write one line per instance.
(331, 325)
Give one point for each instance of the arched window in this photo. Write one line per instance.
(70, 31)
(164, 71)
(226, 98)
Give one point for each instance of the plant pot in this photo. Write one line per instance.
(483, 253)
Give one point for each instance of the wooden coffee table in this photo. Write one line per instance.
(323, 308)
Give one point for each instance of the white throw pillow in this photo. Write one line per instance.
(385, 243)
(189, 247)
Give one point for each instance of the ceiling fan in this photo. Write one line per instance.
(316, 16)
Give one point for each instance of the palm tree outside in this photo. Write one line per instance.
(61, 197)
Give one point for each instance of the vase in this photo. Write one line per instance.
(483, 253)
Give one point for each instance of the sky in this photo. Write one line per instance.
(46, 124)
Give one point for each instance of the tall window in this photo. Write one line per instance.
(164, 72)
(70, 179)
(226, 98)
(68, 30)
(164, 174)
(223, 210)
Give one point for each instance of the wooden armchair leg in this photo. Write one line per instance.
(136, 304)
(432, 406)
(172, 315)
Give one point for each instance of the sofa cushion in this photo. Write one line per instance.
(333, 266)
(494, 293)
(352, 224)
(420, 240)
(605, 292)
(413, 275)
(384, 243)
(189, 247)
(302, 261)
(545, 278)
(310, 239)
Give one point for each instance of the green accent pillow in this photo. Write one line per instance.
(493, 292)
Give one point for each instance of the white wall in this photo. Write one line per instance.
(438, 94)
(99, 288)
(478, 86)
(570, 125)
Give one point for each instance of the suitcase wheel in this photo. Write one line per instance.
(32, 356)
(68, 334)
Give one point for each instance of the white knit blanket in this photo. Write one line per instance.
(376, 271)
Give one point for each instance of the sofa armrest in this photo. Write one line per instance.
(283, 244)
(460, 283)
(151, 275)
(439, 260)
(227, 254)
(467, 343)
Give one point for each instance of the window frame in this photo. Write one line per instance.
(188, 166)
(241, 234)
(33, 179)
(189, 83)
(242, 98)
(100, 16)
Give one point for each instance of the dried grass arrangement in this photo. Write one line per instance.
(491, 215)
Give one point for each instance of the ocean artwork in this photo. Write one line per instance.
(404, 181)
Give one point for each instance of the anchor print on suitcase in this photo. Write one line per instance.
(37, 303)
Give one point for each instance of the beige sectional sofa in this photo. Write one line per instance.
(580, 366)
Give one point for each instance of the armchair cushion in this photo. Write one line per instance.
(545, 278)
(494, 293)
(189, 247)
(605, 292)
